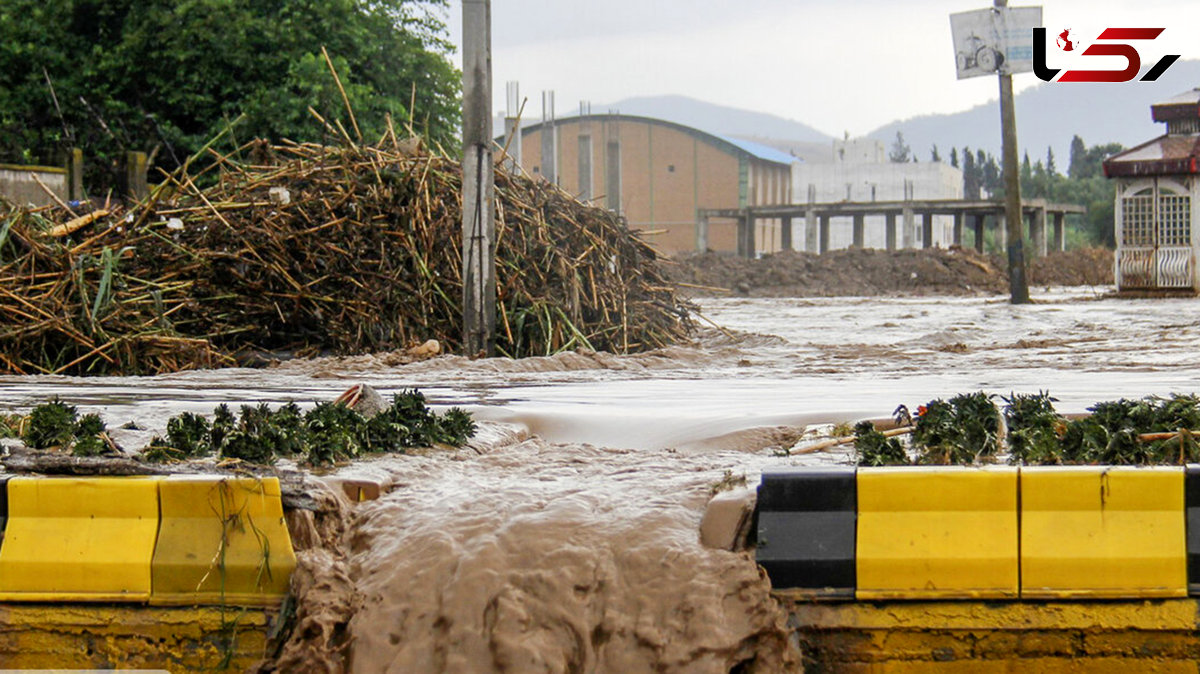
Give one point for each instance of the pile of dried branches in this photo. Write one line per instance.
(309, 249)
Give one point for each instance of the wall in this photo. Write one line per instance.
(18, 184)
(666, 174)
(878, 181)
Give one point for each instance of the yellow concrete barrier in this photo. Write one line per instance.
(221, 541)
(937, 533)
(1102, 532)
(79, 539)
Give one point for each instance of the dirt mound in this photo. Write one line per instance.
(1080, 267)
(870, 272)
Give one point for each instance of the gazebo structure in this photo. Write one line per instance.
(1157, 184)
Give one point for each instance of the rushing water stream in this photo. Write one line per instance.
(568, 540)
(802, 360)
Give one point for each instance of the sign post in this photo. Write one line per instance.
(1000, 40)
(478, 183)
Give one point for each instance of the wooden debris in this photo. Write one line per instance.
(364, 256)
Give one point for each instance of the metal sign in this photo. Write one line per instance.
(997, 40)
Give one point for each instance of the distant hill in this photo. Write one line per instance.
(717, 119)
(1049, 115)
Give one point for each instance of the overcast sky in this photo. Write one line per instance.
(848, 66)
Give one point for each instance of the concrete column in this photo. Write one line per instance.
(823, 235)
(751, 238)
(75, 174)
(743, 224)
(907, 237)
(1002, 233)
(859, 230)
(785, 233)
(889, 231)
(1060, 232)
(701, 232)
(1037, 231)
(959, 217)
(980, 219)
(810, 231)
(927, 230)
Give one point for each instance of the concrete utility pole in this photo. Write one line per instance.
(478, 202)
(1015, 220)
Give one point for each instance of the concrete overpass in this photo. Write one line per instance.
(818, 219)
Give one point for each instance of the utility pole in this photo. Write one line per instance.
(478, 202)
(1015, 220)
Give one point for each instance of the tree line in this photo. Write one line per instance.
(1083, 183)
(166, 76)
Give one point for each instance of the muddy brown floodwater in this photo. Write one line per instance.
(566, 538)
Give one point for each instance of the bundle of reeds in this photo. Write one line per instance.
(310, 249)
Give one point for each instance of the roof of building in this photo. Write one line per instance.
(1182, 106)
(1165, 155)
(735, 146)
(764, 152)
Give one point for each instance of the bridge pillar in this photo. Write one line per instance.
(1002, 233)
(889, 231)
(958, 228)
(1060, 232)
(927, 230)
(1037, 231)
(811, 242)
(785, 234)
(823, 235)
(859, 230)
(701, 232)
(749, 245)
(980, 219)
(909, 235)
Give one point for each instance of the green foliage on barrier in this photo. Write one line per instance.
(57, 424)
(875, 449)
(962, 430)
(965, 430)
(325, 435)
(51, 424)
(1034, 428)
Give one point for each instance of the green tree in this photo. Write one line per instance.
(934, 155)
(1075, 161)
(954, 157)
(165, 76)
(992, 176)
(900, 151)
(970, 180)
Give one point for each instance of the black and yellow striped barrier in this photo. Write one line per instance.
(173, 541)
(931, 533)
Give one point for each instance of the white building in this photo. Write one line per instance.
(860, 172)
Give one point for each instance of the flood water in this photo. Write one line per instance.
(566, 538)
(785, 361)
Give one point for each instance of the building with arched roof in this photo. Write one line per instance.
(659, 174)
